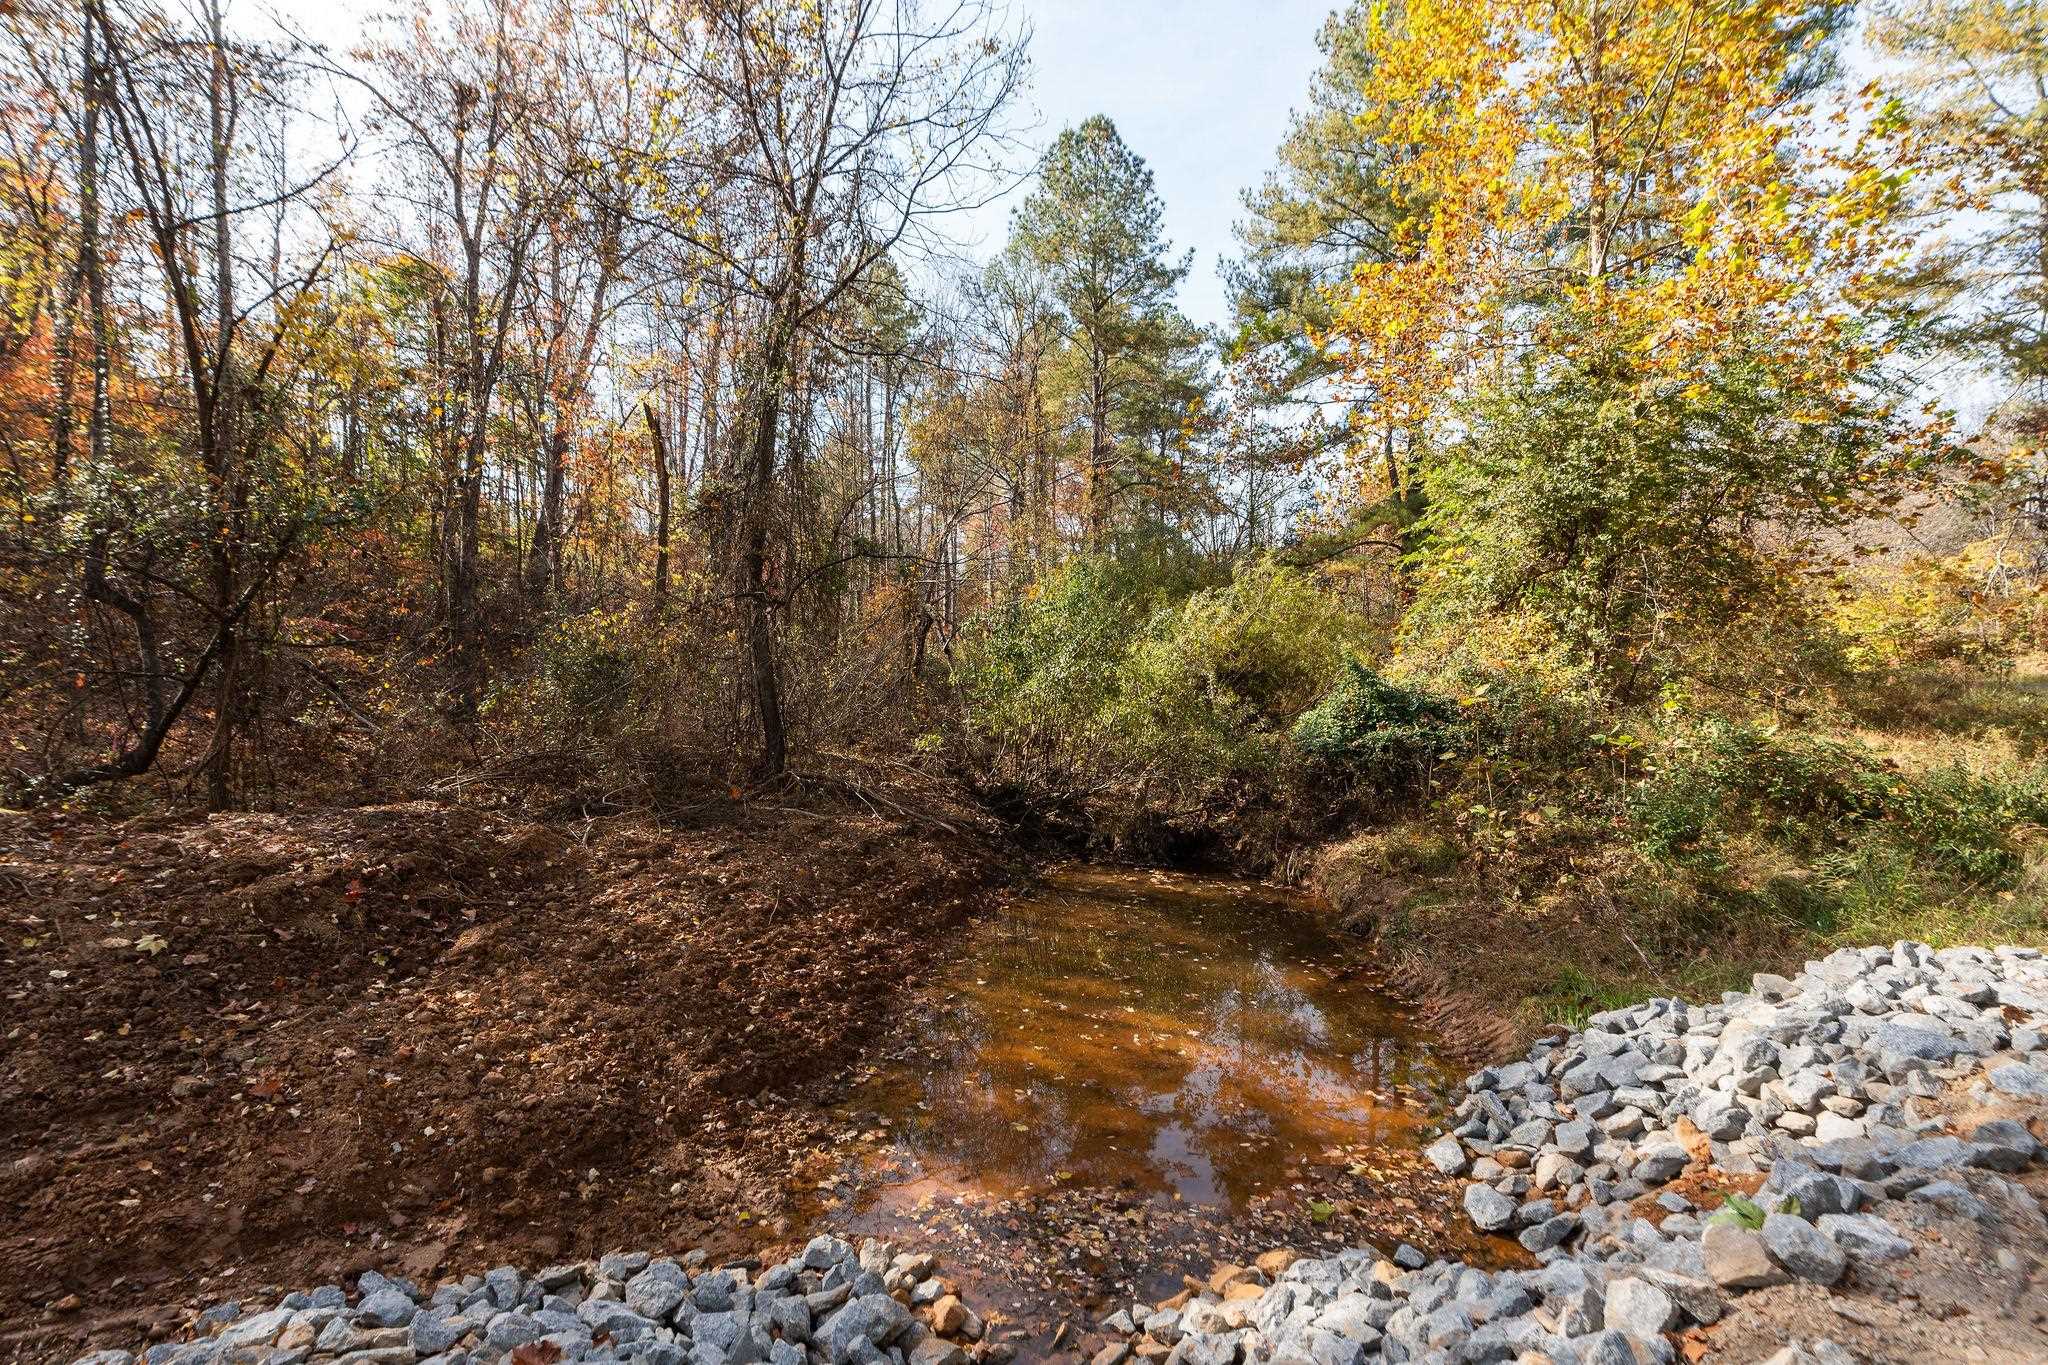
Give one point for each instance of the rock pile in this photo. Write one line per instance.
(829, 1305)
(1822, 1084)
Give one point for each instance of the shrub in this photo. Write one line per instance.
(586, 670)
(637, 700)
(1376, 726)
(1039, 673)
(1095, 673)
(1821, 796)
(1607, 512)
(1933, 610)
(1210, 686)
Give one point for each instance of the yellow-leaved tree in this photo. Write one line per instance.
(1625, 320)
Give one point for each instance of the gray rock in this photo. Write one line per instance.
(1697, 1297)
(2019, 1082)
(658, 1290)
(1720, 1118)
(2006, 1133)
(431, 1333)
(789, 1318)
(1820, 1194)
(1950, 1197)
(1900, 1046)
(505, 1285)
(1356, 1317)
(559, 1277)
(622, 1265)
(1930, 1154)
(613, 1317)
(1550, 1232)
(1488, 1208)
(1737, 1258)
(371, 1281)
(1864, 1236)
(1801, 1249)
(260, 1330)
(873, 1318)
(386, 1308)
(1660, 1162)
(1447, 1155)
(512, 1328)
(1619, 1348)
(717, 1292)
(1639, 1308)
(825, 1251)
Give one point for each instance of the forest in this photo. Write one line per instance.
(546, 457)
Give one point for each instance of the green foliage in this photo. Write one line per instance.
(1040, 670)
(1821, 797)
(1612, 515)
(1133, 375)
(1741, 1212)
(1377, 726)
(587, 666)
(1102, 671)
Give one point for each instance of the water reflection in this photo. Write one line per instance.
(1164, 1033)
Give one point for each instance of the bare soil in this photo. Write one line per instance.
(270, 1050)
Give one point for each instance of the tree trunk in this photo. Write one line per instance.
(763, 670)
(544, 555)
(1097, 509)
(218, 448)
(661, 503)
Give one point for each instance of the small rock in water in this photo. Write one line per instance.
(1488, 1208)
(1446, 1154)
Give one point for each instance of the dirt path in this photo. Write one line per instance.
(269, 1050)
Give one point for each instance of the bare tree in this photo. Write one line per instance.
(817, 141)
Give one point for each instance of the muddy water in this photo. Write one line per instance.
(1182, 1037)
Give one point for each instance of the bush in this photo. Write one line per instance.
(1820, 796)
(1040, 673)
(1210, 686)
(1933, 610)
(1094, 676)
(1376, 726)
(637, 701)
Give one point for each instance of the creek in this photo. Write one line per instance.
(1170, 1035)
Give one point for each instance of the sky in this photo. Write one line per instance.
(1200, 88)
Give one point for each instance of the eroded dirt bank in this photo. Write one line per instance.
(271, 1049)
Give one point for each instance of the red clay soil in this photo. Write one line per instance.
(275, 1050)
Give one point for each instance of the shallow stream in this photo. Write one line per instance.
(1171, 1035)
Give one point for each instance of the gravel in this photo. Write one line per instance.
(825, 1306)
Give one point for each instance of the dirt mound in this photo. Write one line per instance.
(283, 1048)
